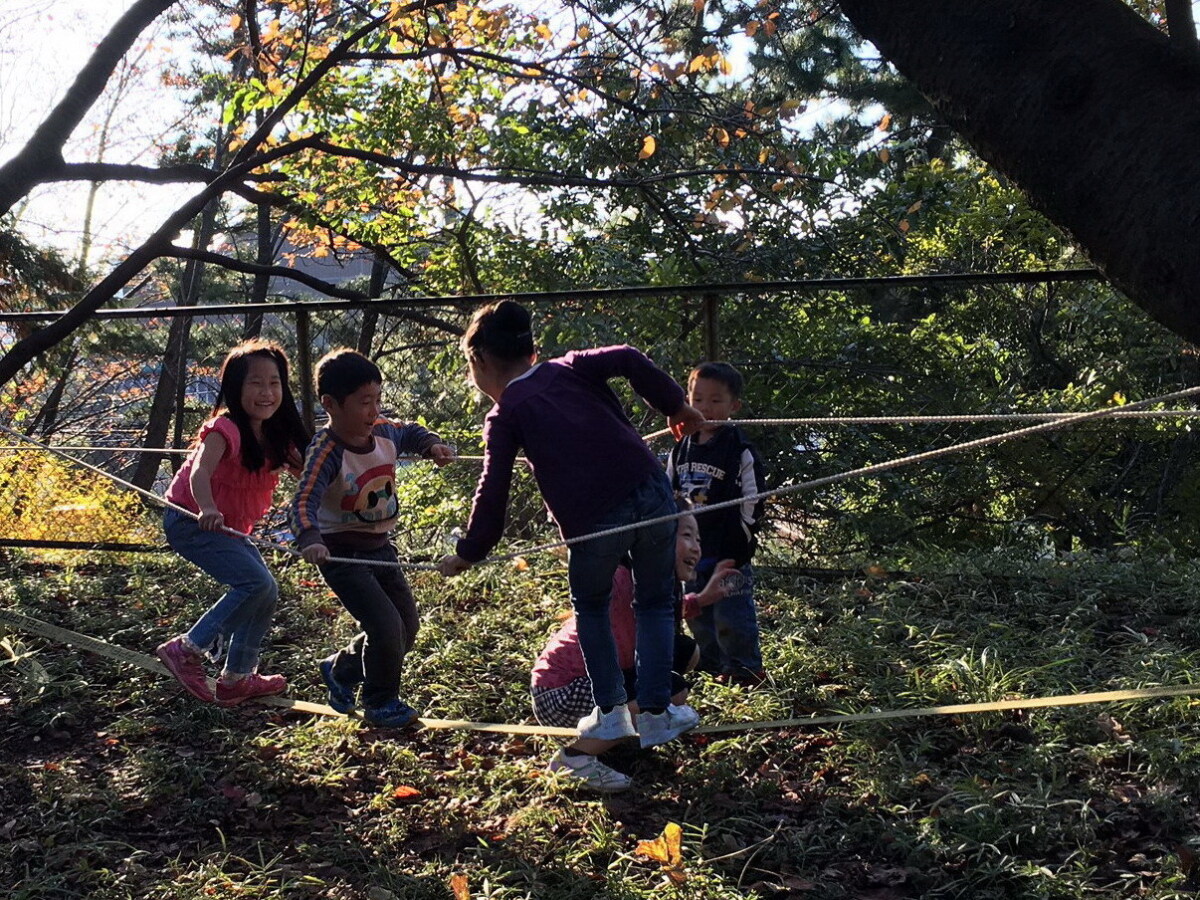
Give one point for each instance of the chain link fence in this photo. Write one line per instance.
(129, 390)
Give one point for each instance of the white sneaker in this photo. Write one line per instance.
(610, 726)
(590, 772)
(658, 728)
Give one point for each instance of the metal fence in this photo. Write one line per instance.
(134, 381)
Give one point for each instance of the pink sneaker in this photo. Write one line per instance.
(185, 665)
(232, 693)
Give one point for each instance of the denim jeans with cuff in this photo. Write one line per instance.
(242, 617)
(591, 565)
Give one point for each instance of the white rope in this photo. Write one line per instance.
(1123, 413)
(1062, 422)
(74, 448)
(150, 495)
(78, 448)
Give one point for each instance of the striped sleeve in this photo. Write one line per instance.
(320, 466)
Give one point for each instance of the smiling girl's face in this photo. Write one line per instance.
(687, 548)
(262, 391)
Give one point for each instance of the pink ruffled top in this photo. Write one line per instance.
(561, 662)
(242, 496)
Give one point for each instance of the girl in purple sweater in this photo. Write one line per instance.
(595, 473)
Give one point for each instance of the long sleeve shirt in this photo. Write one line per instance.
(585, 454)
(348, 493)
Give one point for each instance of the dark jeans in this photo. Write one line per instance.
(590, 569)
(727, 632)
(381, 602)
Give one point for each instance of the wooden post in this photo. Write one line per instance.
(304, 366)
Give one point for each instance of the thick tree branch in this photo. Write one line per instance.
(1085, 106)
(228, 262)
(41, 158)
(101, 171)
(534, 178)
(1182, 28)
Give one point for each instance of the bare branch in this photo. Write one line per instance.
(293, 208)
(249, 268)
(101, 171)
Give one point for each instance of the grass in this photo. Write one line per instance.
(114, 784)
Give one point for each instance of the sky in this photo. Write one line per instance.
(43, 45)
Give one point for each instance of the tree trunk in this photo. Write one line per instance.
(370, 321)
(1083, 105)
(265, 256)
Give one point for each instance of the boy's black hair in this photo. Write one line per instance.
(343, 371)
(284, 434)
(720, 372)
(502, 330)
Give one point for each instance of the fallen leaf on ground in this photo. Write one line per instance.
(666, 849)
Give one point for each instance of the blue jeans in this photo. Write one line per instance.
(382, 603)
(242, 617)
(727, 631)
(590, 569)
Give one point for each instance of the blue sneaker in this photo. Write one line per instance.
(341, 696)
(393, 714)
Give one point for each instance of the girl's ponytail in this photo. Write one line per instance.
(502, 330)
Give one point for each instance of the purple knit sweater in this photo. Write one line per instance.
(585, 454)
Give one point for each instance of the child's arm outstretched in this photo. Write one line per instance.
(210, 453)
(413, 438)
(486, 524)
(716, 590)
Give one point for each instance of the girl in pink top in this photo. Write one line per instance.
(562, 691)
(228, 482)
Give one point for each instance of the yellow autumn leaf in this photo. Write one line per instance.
(667, 850)
(915, 206)
(1118, 399)
(721, 137)
(886, 122)
(752, 28)
(543, 31)
(903, 226)
(649, 145)
(235, 22)
(584, 32)
(884, 155)
(458, 884)
(520, 564)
